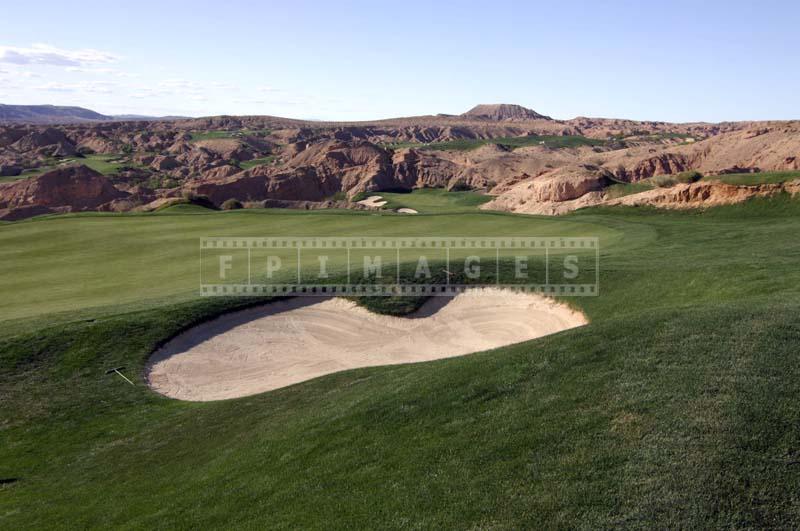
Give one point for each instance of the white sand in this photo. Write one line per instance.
(372, 201)
(407, 211)
(287, 342)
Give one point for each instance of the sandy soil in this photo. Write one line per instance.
(372, 201)
(287, 342)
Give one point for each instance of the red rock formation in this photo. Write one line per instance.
(665, 164)
(72, 188)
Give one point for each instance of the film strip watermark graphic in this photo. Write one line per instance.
(392, 266)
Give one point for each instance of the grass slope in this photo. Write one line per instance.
(767, 177)
(252, 163)
(105, 163)
(675, 407)
(68, 263)
(215, 135)
(431, 200)
(467, 144)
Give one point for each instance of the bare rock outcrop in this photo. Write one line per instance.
(98, 144)
(353, 167)
(220, 172)
(9, 170)
(40, 139)
(503, 112)
(73, 188)
(704, 194)
(665, 164)
(423, 169)
(558, 191)
(164, 163)
(244, 186)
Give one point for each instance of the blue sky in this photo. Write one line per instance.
(668, 60)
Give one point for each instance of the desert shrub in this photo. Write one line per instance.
(161, 181)
(231, 204)
(665, 181)
(199, 200)
(460, 186)
(689, 176)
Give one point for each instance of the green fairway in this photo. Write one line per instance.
(431, 200)
(252, 163)
(676, 407)
(767, 177)
(467, 144)
(81, 261)
(105, 163)
(11, 178)
(214, 135)
(622, 189)
(211, 135)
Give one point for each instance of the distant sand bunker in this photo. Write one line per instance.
(373, 201)
(282, 343)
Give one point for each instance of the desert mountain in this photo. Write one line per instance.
(48, 114)
(54, 114)
(501, 112)
(530, 163)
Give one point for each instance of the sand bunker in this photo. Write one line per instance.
(372, 201)
(282, 343)
(407, 211)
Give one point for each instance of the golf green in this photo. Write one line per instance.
(675, 407)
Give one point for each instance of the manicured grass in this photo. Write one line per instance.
(431, 200)
(82, 261)
(751, 179)
(622, 189)
(105, 163)
(212, 135)
(12, 178)
(550, 141)
(247, 164)
(675, 408)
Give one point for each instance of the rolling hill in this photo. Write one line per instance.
(55, 114)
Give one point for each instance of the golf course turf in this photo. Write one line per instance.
(677, 406)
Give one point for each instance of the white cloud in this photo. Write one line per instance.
(246, 101)
(225, 86)
(178, 84)
(57, 87)
(267, 88)
(148, 92)
(108, 71)
(44, 54)
(95, 87)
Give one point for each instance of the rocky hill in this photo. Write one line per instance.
(48, 114)
(535, 165)
(54, 114)
(502, 112)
